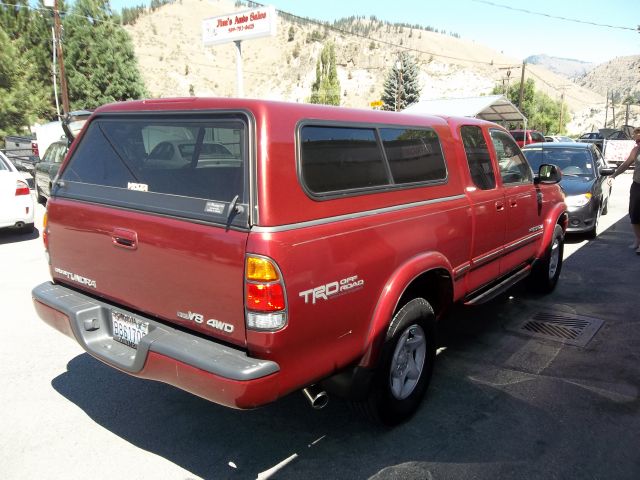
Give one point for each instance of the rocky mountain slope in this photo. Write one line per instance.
(174, 62)
(621, 76)
(562, 66)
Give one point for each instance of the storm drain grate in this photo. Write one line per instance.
(561, 327)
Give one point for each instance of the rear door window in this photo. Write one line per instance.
(188, 166)
(478, 157)
(537, 137)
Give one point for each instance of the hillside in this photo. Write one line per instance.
(568, 67)
(621, 75)
(174, 62)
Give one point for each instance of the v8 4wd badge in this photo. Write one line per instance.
(199, 319)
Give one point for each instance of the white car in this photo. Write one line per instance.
(16, 201)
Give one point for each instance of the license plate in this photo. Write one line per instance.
(127, 329)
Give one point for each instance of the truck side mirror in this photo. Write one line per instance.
(548, 174)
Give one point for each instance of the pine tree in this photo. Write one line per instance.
(326, 88)
(99, 58)
(15, 96)
(402, 86)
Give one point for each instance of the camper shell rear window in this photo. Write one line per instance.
(183, 165)
(337, 160)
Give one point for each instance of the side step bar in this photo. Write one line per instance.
(484, 295)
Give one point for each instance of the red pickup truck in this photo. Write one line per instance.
(244, 249)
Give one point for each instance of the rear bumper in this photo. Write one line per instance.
(216, 372)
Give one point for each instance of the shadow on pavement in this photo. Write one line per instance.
(501, 405)
(11, 235)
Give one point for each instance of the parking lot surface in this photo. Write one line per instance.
(505, 402)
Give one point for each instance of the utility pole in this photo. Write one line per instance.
(606, 110)
(613, 109)
(561, 112)
(63, 78)
(521, 86)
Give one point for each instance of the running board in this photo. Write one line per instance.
(483, 295)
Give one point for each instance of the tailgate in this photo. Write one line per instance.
(151, 215)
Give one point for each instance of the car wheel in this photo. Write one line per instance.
(405, 366)
(593, 233)
(39, 198)
(546, 271)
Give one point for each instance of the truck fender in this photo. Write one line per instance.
(557, 216)
(391, 293)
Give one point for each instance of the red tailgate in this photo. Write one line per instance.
(179, 271)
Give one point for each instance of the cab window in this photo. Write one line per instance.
(512, 164)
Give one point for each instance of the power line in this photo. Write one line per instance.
(566, 19)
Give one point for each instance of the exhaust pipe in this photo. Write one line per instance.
(19, 225)
(317, 398)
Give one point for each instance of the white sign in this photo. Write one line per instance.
(259, 22)
(617, 151)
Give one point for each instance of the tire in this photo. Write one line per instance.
(405, 365)
(39, 198)
(546, 271)
(593, 233)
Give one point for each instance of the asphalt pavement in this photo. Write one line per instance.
(505, 402)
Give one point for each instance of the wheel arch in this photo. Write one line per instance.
(558, 216)
(428, 276)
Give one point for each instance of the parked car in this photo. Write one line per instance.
(47, 168)
(585, 180)
(525, 137)
(558, 138)
(315, 251)
(595, 138)
(16, 202)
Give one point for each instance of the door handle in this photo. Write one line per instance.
(513, 202)
(499, 206)
(125, 238)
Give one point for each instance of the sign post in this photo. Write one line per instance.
(244, 25)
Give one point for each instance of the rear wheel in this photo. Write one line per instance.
(405, 366)
(39, 198)
(546, 271)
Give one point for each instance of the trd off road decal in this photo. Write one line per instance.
(332, 289)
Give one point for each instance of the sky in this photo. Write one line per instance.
(499, 24)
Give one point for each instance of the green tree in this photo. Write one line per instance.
(401, 87)
(99, 59)
(542, 112)
(14, 17)
(36, 43)
(15, 97)
(326, 88)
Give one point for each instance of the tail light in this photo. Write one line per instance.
(22, 188)
(45, 231)
(265, 299)
(34, 149)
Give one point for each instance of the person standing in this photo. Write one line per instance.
(634, 194)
